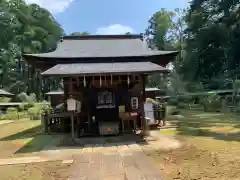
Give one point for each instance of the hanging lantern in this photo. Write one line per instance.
(100, 81)
(84, 81)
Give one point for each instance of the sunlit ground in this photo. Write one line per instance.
(211, 150)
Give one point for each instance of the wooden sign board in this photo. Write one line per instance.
(71, 104)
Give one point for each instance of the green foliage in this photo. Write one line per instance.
(27, 100)
(207, 37)
(173, 101)
(212, 102)
(172, 110)
(185, 99)
(23, 97)
(212, 41)
(213, 97)
(5, 99)
(11, 110)
(236, 85)
(39, 109)
(165, 30)
(34, 112)
(32, 98)
(45, 107)
(11, 114)
(25, 29)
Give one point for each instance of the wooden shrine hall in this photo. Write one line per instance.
(104, 79)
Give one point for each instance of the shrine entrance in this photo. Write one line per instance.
(106, 108)
(106, 75)
(105, 111)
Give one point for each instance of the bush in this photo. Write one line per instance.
(5, 99)
(29, 100)
(23, 115)
(185, 99)
(183, 105)
(45, 107)
(212, 102)
(173, 101)
(39, 109)
(11, 114)
(23, 97)
(32, 99)
(171, 110)
(12, 110)
(25, 106)
(34, 112)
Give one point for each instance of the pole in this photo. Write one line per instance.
(145, 123)
(72, 124)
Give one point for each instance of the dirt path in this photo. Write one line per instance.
(113, 162)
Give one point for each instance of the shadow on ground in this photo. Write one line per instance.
(33, 139)
(23, 134)
(215, 125)
(103, 141)
(36, 140)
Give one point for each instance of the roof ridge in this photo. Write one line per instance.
(100, 37)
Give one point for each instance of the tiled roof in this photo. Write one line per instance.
(104, 68)
(101, 46)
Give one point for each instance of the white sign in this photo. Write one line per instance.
(134, 103)
(148, 110)
(71, 104)
(134, 114)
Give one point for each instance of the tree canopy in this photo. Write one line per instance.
(29, 29)
(207, 35)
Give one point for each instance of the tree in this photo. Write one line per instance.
(166, 32)
(157, 32)
(29, 29)
(213, 39)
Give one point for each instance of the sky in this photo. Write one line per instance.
(106, 16)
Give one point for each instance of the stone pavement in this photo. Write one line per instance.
(22, 160)
(113, 162)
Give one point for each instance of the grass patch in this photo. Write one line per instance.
(23, 137)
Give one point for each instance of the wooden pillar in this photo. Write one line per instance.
(66, 92)
(45, 122)
(72, 125)
(143, 100)
(143, 79)
(78, 125)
